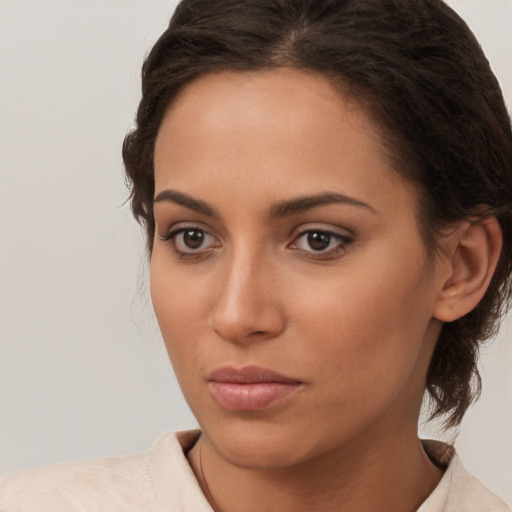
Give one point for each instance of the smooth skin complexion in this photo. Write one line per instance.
(295, 296)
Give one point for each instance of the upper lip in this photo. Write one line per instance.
(248, 375)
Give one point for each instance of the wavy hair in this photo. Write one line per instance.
(422, 76)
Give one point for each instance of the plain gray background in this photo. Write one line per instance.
(83, 371)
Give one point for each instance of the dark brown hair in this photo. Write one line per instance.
(424, 79)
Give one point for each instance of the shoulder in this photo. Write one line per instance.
(458, 490)
(118, 483)
(468, 493)
(76, 486)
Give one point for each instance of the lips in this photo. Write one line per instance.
(250, 388)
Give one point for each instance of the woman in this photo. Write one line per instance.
(326, 189)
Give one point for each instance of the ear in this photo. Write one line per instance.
(472, 255)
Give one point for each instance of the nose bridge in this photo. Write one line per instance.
(245, 302)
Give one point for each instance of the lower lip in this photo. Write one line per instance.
(251, 397)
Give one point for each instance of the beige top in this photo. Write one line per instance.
(161, 480)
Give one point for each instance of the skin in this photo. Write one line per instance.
(355, 323)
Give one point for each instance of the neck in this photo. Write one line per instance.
(336, 481)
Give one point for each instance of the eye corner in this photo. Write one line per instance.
(190, 241)
(320, 243)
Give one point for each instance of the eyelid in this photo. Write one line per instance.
(180, 226)
(325, 228)
(344, 236)
(176, 229)
(345, 240)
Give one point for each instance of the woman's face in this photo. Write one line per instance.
(288, 274)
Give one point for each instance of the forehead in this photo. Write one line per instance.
(267, 132)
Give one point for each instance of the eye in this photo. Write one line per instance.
(321, 243)
(191, 241)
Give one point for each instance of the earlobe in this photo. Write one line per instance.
(473, 253)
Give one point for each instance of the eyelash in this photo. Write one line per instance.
(170, 238)
(340, 248)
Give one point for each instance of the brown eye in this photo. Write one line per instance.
(321, 244)
(191, 241)
(318, 240)
(193, 238)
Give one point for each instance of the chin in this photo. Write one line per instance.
(256, 445)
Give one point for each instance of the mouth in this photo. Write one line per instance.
(250, 388)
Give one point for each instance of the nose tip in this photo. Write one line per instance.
(246, 310)
(241, 329)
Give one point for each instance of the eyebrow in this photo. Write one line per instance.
(187, 201)
(278, 210)
(304, 203)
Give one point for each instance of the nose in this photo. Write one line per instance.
(247, 307)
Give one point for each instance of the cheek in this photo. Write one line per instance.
(181, 307)
(365, 330)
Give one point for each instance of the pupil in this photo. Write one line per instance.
(193, 239)
(318, 240)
